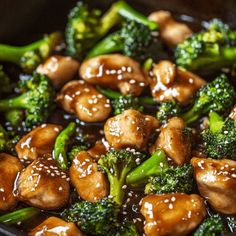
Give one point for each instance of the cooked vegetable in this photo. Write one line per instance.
(28, 57)
(36, 100)
(211, 49)
(5, 83)
(220, 138)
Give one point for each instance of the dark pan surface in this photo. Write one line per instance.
(24, 21)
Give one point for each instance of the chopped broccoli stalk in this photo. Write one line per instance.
(36, 100)
(173, 179)
(5, 84)
(85, 27)
(117, 164)
(218, 96)
(14, 117)
(209, 49)
(30, 56)
(220, 138)
(75, 150)
(132, 40)
(148, 63)
(61, 145)
(121, 102)
(95, 218)
(211, 226)
(125, 228)
(167, 110)
(231, 221)
(19, 215)
(150, 167)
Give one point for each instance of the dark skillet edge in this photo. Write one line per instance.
(225, 10)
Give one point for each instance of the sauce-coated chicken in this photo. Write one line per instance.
(54, 226)
(91, 184)
(170, 83)
(85, 101)
(9, 168)
(174, 140)
(42, 184)
(174, 214)
(114, 71)
(59, 69)
(38, 142)
(216, 180)
(171, 31)
(130, 129)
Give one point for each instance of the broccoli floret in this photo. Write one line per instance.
(75, 150)
(36, 100)
(210, 49)
(5, 83)
(218, 96)
(117, 164)
(211, 226)
(173, 179)
(121, 102)
(167, 110)
(19, 216)
(3, 139)
(125, 228)
(95, 218)
(220, 138)
(30, 56)
(132, 40)
(85, 27)
(231, 220)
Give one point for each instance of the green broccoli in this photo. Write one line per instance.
(117, 164)
(14, 117)
(75, 150)
(98, 218)
(173, 179)
(218, 96)
(19, 216)
(210, 49)
(220, 138)
(211, 226)
(3, 139)
(5, 84)
(85, 27)
(30, 56)
(36, 100)
(132, 40)
(167, 110)
(121, 102)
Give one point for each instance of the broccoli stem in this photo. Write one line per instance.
(61, 145)
(190, 116)
(151, 167)
(19, 215)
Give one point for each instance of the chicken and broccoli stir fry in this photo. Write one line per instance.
(97, 137)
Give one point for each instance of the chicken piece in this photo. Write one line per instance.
(216, 181)
(85, 101)
(232, 114)
(9, 168)
(171, 31)
(130, 129)
(114, 71)
(172, 214)
(54, 226)
(97, 150)
(43, 185)
(59, 69)
(38, 142)
(169, 83)
(174, 141)
(91, 184)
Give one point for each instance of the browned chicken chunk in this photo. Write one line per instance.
(59, 69)
(90, 183)
(171, 31)
(174, 141)
(85, 101)
(172, 214)
(97, 150)
(42, 184)
(170, 83)
(130, 129)
(38, 142)
(114, 71)
(54, 226)
(9, 168)
(216, 180)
